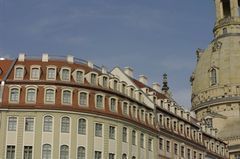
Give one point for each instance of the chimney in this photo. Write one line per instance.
(90, 64)
(70, 59)
(128, 71)
(21, 57)
(44, 57)
(143, 79)
(156, 87)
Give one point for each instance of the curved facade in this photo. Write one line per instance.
(69, 108)
(216, 78)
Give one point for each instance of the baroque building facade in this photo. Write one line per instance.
(216, 78)
(68, 108)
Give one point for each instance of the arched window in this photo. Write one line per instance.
(46, 151)
(51, 73)
(66, 97)
(124, 156)
(31, 95)
(82, 126)
(142, 140)
(14, 95)
(81, 153)
(50, 96)
(64, 152)
(65, 125)
(213, 76)
(47, 124)
(93, 79)
(133, 157)
(83, 99)
(99, 101)
(79, 77)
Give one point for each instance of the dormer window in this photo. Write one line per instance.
(35, 73)
(93, 79)
(115, 85)
(104, 81)
(19, 72)
(51, 73)
(65, 74)
(79, 77)
(131, 92)
(123, 88)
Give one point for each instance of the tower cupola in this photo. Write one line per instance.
(227, 17)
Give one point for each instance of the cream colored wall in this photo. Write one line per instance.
(72, 139)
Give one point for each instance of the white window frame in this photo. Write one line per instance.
(31, 72)
(69, 127)
(46, 144)
(16, 124)
(33, 126)
(86, 126)
(15, 71)
(103, 102)
(96, 134)
(123, 112)
(19, 93)
(69, 75)
(51, 67)
(74, 74)
(87, 98)
(71, 95)
(110, 104)
(52, 124)
(54, 95)
(26, 94)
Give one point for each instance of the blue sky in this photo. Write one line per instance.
(151, 36)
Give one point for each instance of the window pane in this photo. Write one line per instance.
(46, 151)
(98, 155)
(79, 77)
(65, 75)
(50, 96)
(65, 125)
(12, 123)
(81, 153)
(35, 73)
(27, 152)
(98, 130)
(64, 152)
(29, 123)
(113, 105)
(10, 154)
(19, 73)
(14, 95)
(111, 132)
(99, 101)
(82, 126)
(51, 73)
(31, 95)
(66, 97)
(124, 134)
(47, 127)
(83, 98)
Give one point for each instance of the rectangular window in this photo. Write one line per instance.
(10, 154)
(124, 134)
(111, 132)
(98, 155)
(12, 123)
(134, 137)
(111, 156)
(161, 143)
(83, 99)
(29, 123)
(98, 130)
(113, 105)
(175, 149)
(150, 144)
(182, 151)
(142, 140)
(27, 152)
(125, 108)
(51, 74)
(168, 146)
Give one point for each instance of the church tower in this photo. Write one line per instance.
(216, 78)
